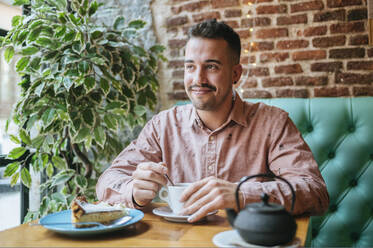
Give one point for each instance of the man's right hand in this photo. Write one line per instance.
(148, 178)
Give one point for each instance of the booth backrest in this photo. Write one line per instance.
(339, 132)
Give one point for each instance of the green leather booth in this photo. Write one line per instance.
(339, 132)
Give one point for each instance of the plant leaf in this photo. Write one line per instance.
(119, 23)
(50, 170)
(89, 83)
(21, 2)
(81, 181)
(93, 8)
(11, 169)
(59, 163)
(25, 177)
(22, 63)
(39, 89)
(140, 110)
(88, 117)
(24, 137)
(37, 141)
(14, 139)
(82, 134)
(100, 136)
(48, 116)
(14, 179)
(16, 20)
(104, 85)
(136, 24)
(16, 152)
(62, 177)
(29, 50)
(9, 53)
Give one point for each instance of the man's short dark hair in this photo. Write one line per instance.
(213, 29)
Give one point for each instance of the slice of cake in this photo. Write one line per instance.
(82, 211)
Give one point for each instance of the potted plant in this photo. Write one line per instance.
(82, 84)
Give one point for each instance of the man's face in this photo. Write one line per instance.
(209, 73)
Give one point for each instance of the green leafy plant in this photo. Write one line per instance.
(82, 84)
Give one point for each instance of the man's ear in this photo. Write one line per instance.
(237, 72)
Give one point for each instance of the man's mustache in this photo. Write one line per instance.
(202, 86)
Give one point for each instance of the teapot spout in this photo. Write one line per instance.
(231, 215)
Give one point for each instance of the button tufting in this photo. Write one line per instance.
(353, 182)
(331, 155)
(310, 128)
(351, 129)
(333, 208)
(355, 236)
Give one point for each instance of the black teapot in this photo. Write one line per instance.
(263, 223)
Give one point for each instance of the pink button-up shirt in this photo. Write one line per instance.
(256, 138)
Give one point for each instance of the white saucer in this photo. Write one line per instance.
(167, 214)
(233, 239)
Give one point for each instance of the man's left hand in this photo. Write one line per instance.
(207, 195)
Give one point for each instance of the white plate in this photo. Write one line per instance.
(70, 229)
(167, 214)
(233, 239)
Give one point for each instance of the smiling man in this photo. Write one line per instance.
(215, 141)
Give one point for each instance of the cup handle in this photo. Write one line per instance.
(163, 194)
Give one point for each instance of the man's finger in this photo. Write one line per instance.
(194, 187)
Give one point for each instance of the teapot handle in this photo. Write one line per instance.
(272, 176)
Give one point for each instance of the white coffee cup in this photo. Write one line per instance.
(171, 195)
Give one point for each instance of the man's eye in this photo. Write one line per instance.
(189, 67)
(212, 67)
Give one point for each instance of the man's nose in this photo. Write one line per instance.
(199, 76)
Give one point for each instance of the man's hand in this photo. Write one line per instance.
(148, 178)
(208, 195)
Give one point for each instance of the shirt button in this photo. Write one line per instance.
(209, 168)
(211, 138)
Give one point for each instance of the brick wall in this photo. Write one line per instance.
(291, 48)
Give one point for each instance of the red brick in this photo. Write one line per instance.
(353, 78)
(224, 3)
(259, 71)
(256, 1)
(342, 3)
(294, 19)
(288, 69)
(277, 81)
(271, 9)
(175, 53)
(315, 31)
(351, 27)
(347, 53)
(176, 21)
(232, 24)
(178, 95)
(360, 65)
(307, 6)
(309, 55)
(262, 46)
(273, 57)
(177, 85)
(336, 15)
(258, 21)
(311, 81)
(205, 16)
(359, 40)
(176, 64)
(190, 7)
(331, 92)
(232, 13)
(329, 41)
(370, 52)
(177, 43)
(178, 74)
(363, 91)
(249, 83)
(327, 66)
(298, 93)
(256, 94)
(292, 44)
(244, 34)
(357, 14)
(272, 33)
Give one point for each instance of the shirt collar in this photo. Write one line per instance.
(238, 113)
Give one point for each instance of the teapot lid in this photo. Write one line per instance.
(264, 206)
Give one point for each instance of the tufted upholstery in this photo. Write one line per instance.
(339, 132)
